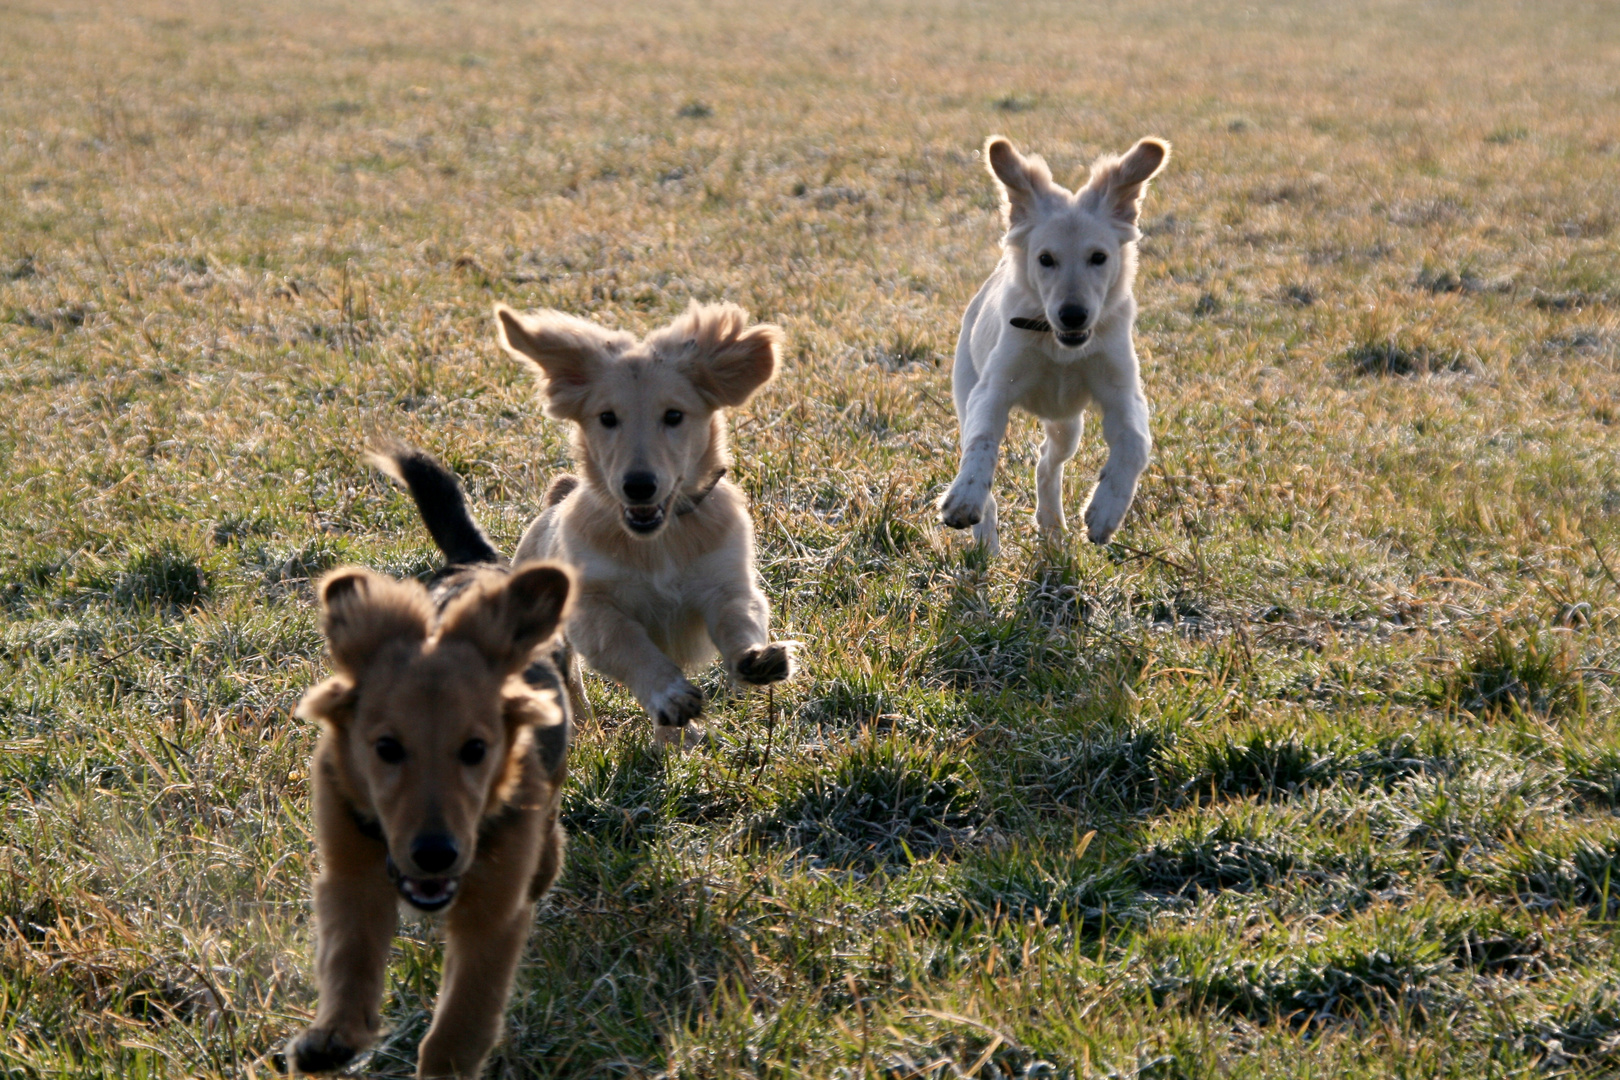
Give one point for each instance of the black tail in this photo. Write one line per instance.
(438, 497)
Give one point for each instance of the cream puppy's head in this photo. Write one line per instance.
(650, 431)
(1074, 251)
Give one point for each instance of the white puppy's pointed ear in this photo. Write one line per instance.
(1125, 178)
(1023, 179)
(567, 351)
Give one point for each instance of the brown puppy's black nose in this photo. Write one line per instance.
(1073, 316)
(434, 853)
(640, 487)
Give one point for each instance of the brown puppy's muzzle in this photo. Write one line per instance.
(434, 856)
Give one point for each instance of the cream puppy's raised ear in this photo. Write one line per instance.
(726, 359)
(568, 351)
(1023, 180)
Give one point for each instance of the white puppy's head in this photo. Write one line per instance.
(1075, 251)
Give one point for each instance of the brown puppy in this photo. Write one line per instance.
(661, 542)
(437, 779)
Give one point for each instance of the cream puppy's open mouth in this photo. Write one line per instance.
(1074, 340)
(647, 519)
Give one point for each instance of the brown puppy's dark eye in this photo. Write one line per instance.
(673, 417)
(472, 751)
(1045, 259)
(609, 420)
(1098, 258)
(390, 750)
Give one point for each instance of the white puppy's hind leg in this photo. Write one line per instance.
(1062, 439)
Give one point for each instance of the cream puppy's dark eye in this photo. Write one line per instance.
(390, 750)
(673, 417)
(472, 752)
(1045, 259)
(1098, 258)
(609, 419)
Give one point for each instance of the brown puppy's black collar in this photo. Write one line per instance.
(1037, 324)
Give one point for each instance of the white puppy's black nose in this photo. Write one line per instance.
(640, 487)
(434, 853)
(1073, 317)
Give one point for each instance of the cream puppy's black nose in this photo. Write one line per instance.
(1073, 317)
(640, 487)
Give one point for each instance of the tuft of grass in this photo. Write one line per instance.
(1393, 356)
(883, 801)
(164, 575)
(1531, 673)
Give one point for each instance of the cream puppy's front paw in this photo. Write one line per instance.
(765, 664)
(676, 705)
(963, 504)
(676, 739)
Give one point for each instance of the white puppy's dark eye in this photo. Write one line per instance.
(390, 750)
(1098, 258)
(609, 419)
(1045, 259)
(472, 752)
(673, 417)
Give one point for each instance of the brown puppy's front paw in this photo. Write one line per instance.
(319, 1050)
(765, 664)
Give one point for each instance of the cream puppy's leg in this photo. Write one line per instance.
(1062, 439)
(1125, 429)
(620, 648)
(739, 625)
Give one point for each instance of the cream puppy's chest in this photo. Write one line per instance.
(663, 599)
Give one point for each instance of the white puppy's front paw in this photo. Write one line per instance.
(963, 504)
(1104, 513)
(675, 706)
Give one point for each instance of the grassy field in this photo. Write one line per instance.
(1315, 773)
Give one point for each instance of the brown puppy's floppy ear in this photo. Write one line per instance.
(1121, 180)
(330, 702)
(569, 353)
(726, 359)
(362, 612)
(1022, 179)
(505, 619)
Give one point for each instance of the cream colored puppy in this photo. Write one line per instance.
(1049, 332)
(661, 542)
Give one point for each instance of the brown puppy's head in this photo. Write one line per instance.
(1076, 251)
(428, 717)
(650, 429)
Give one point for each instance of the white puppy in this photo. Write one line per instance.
(1050, 331)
